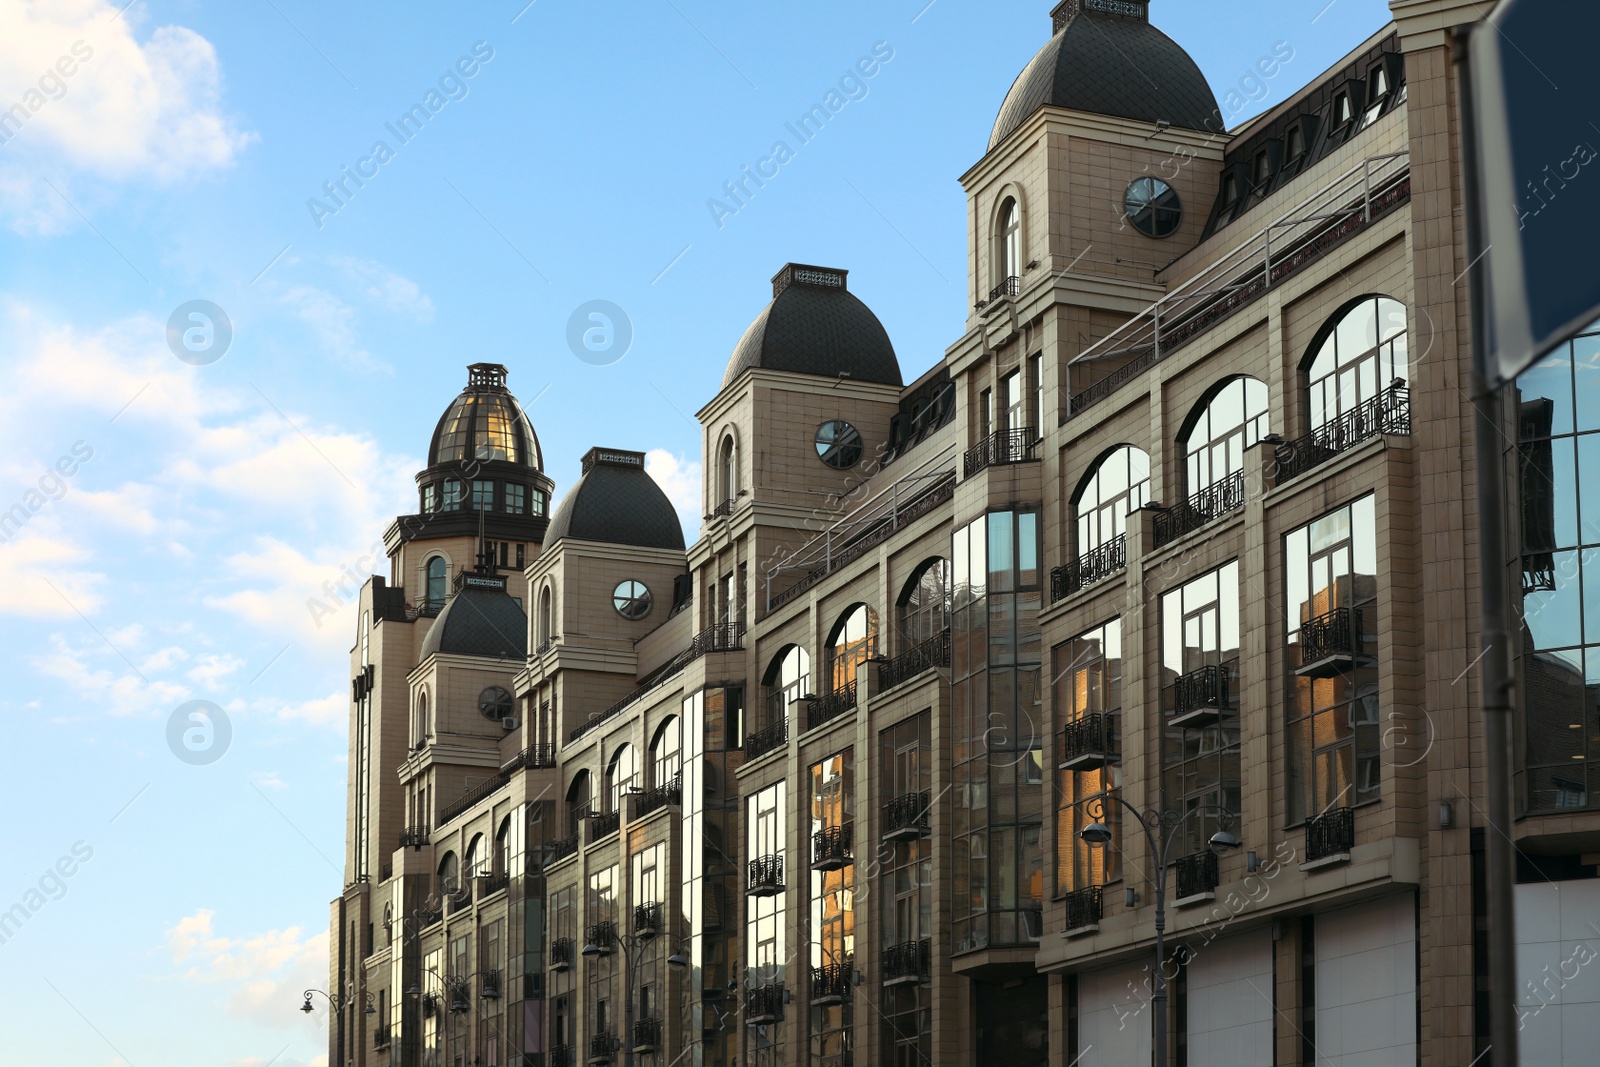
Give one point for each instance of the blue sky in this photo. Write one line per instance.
(180, 515)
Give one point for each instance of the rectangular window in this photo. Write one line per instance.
(833, 921)
(1331, 666)
(452, 495)
(1199, 677)
(601, 971)
(1036, 377)
(1014, 397)
(430, 500)
(541, 503)
(482, 495)
(905, 889)
(516, 498)
(1088, 699)
(986, 413)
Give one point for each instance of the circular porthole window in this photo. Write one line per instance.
(1153, 207)
(631, 599)
(495, 703)
(839, 444)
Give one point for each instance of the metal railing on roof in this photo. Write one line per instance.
(1349, 203)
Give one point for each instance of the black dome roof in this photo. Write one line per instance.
(1111, 64)
(481, 619)
(815, 326)
(485, 423)
(618, 503)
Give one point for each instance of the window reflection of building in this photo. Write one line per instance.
(854, 641)
(1234, 420)
(788, 679)
(833, 926)
(925, 604)
(1120, 485)
(765, 952)
(1333, 716)
(1364, 352)
(1557, 463)
(905, 888)
(1088, 683)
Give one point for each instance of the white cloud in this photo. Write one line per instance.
(41, 582)
(333, 322)
(211, 669)
(323, 711)
(382, 285)
(269, 780)
(261, 972)
(107, 690)
(680, 480)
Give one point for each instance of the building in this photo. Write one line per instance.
(1184, 518)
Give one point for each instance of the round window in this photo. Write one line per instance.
(631, 599)
(1153, 207)
(495, 703)
(839, 444)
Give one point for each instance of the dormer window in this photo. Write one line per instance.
(1342, 113)
(1261, 172)
(1230, 192)
(452, 495)
(1295, 146)
(1377, 92)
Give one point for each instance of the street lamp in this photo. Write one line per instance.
(339, 1004)
(1154, 823)
(632, 946)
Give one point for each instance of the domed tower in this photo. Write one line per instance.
(483, 498)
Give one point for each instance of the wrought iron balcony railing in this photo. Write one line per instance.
(1198, 875)
(668, 794)
(1001, 448)
(495, 882)
(562, 1056)
(1089, 743)
(489, 985)
(561, 950)
(722, 637)
(1010, 286)
(825, 709)
(766, 876)
(909, 961)
(1331, 642)
(767, 739)
(561, 848)
(906, 816)
(1091, 568)
(763, 1004)
(602, 1047)
(647, 1035)
(830, 848)
(382, 1037)
(430, 913)
(602, 936)
(1085, 908)
(1388, 412)
(534, 756)
(414, 837)
(926, 656)
(832, 982)
(1333, 833)
(649, 919)
(1201, 509)
(1200, 697)
(604, 825)
(460, 899)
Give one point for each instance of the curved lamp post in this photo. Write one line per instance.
(338, 1004)
(629, 944)
(1156, 823)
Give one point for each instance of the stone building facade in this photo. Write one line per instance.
(1181, 524)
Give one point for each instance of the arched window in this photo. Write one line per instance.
(438, 581)
(788, 679)
(502, 847)
(419, 732)
(727, 472)
(579, 799)
(473, 867)
(925, 604)
(1363, 353)
(1120, 485)
(622, 776)
(547, 616)
(1009, 242)
(388, 923)
(854, 641)
(666, 752)
(449, 874)
(1234, 419)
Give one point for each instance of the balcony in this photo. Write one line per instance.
(490, 988)
(428, 914)
(1198, 876)
(929, 655)
(907, 962)
(602, 826)
(723, 637)
(602, 1047)
(382, 1037)
(906, 816)
(1085, 908)
(414, 837)
(460, 899)
(831, 983)
(1200, 697)
(1330, 836)
(559, 849)
(767, 739)
(494, 883)
(1388, 412)
(830, 848)
(722, 510)
(825, 709)
(669, 794)
(1200, 510)
(561, 954)
(647, 1035)
(1011, 286)
(1088, 743)
(648, 920)
(1000, 449)
(1330, 643)
(766, 876)
(430, 1005)
(1091, 568)
(600, 937)
(763, 1004)
(562, 1056)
